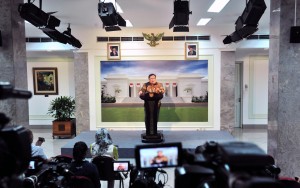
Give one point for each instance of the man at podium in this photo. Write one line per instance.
(152, 92)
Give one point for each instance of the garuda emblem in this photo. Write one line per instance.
(153, 38)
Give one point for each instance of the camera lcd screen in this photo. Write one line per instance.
(121, 166)
(158, 156)
(31, 165)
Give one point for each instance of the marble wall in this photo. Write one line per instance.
(13, 60)
(227, 90)
(81, 91)
(284, 90)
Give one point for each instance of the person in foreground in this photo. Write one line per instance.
(36, 149)
(103, 145)
(80, 167)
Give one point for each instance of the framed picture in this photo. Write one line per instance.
(45, 81)
(191, 50)
(113, 51)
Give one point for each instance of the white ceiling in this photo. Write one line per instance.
(145, 13)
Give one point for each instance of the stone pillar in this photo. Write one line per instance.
(227, 90)
(13, 60)
(81, 75)
(284, 89)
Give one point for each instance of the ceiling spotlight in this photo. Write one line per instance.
(71, 39)
(37, 17)
(110, 18)
(180, 20)
(47, 23)
(247, 23)
(56, 35)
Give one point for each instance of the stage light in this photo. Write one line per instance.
(181, 29)
(47, 23)
(239, 34)
(37, 17)
(253, 12)
(65, 37)
(247, 23)
(56, 35)
(71, 39)
(180, 20)
(110, 18)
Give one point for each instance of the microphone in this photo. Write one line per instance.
(161, 171)
(7, 91)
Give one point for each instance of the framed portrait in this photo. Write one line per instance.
(191, 50)
(45, 81)
(113, 51)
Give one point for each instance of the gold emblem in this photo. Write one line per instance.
(153, 38)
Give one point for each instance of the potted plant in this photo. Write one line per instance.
(62, 110)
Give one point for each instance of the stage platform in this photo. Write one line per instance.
(127, 140)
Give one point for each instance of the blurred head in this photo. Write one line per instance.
(191, 48)
(102, 135)
(79, 151)
(160, 153)
(102, 141)
(152, 78)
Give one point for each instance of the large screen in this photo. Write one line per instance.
(158, 155)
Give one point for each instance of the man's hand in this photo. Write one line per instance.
(38, 143)
(140, 92)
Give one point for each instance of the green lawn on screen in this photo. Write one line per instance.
(167, 114)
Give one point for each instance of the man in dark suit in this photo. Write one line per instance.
(191, 51)
(114, 51)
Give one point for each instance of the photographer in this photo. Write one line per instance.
(36, 149)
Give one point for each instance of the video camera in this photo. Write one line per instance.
(212, 165)
(54, 174)
(15, 148)
(150, 159)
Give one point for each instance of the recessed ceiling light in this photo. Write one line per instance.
(128, 23)
(203, 21)
(218, 5)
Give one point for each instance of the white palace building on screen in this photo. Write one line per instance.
(178, 88)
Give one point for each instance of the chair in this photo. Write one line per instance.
(81, 182)
(106, 172)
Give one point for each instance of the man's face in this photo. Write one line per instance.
(152, 79)
(114, 49)
(159, 153)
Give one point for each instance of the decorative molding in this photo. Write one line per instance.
(252, 88)
(40, 117)
(50, 59)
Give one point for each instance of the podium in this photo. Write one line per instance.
(151, 107)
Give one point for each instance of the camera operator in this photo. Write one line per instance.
(81, 167)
